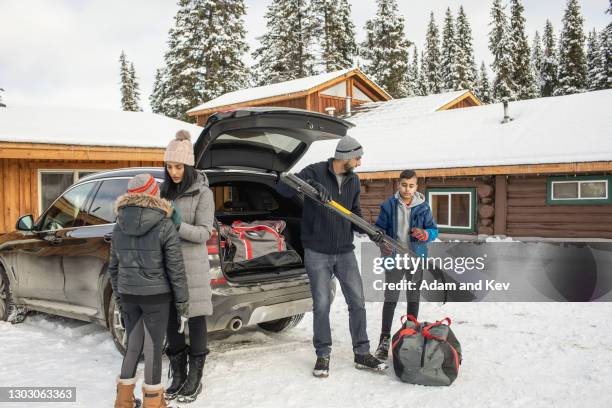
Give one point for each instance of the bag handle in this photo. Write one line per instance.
(430, 336)
(411, 318)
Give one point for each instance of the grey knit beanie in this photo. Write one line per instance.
(180, 150)
(348, 148)
(143, 184)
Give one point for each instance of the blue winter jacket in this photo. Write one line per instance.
(420, 217)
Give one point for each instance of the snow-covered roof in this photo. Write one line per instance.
(268, 91)
(90, 127)
(563, 129)
(410, 106)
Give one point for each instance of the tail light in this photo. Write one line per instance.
(216, 275)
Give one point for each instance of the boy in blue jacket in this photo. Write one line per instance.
(406, 217)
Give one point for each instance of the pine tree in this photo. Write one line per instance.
(385, 49)
(572, 60)
(2, 104)
(593, 58)
(448, 67)
(483, 89)
(157, 97)
(337, 34)
(287, 50)
(183, 71)
(501, 48)
(422, 81)
(537, 61)
(431, 61)
(223, 47)
(606, 50)
(129, 87)
(412, 85)
(523, 76)
(550, 64)
(466, 64)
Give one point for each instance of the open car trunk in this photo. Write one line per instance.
(248, 198)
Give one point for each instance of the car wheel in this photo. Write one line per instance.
(279, 325)
(5, 296)
(114, 325)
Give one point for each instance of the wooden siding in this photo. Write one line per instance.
(529, 215)
(19, 183)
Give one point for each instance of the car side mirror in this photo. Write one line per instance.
(25, 223)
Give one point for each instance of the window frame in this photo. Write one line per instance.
(473, 207)
(552, 180)
(75, 179)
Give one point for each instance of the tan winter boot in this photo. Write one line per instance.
(125, 393)
(153, 396)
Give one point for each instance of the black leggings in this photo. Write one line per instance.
(145, 325)
(198, 336)
(392, 296)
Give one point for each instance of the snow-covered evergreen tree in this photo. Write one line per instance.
(412, 79)
(223, 47)
(466, 64)
(501, 48)
(385, 49)
(2, 104)
(550, 63)
(287, 48)
(129, 86)
(483, 88)
(422, 81)
(184, 69)
(606, 49)
(336, 34)
(537, 61)
(431, 61)
(595, 68)
(523, 76)
(572, 59)
(157, 97)
(448, 68)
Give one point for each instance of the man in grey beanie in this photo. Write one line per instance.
(328, 251)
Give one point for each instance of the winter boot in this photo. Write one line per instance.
(321, 368)
(382, 352)
(125, 394)
(153, 396)
(193, 386)
(178, 373)
(369, 362)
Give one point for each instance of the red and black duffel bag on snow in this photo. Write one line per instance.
(426, 353)
(256, 245)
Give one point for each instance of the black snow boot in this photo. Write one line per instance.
(321, 368)
(193, 386)
(382, 352)
(178, 373)
(369, 362)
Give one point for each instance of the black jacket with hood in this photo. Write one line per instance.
(145, 255)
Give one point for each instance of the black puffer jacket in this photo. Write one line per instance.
(146, 257)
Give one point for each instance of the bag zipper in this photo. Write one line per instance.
(423, 353)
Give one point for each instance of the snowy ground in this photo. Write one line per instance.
(515, 355)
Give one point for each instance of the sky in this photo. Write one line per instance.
(65, 52)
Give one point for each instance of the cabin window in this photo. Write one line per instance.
(586, 190)
(453, 209)
(52, 183)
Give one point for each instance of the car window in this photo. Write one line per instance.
(66, 211)
(102, 210)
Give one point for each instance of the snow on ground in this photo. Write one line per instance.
(514, 355)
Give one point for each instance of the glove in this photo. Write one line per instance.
(321, 191)
(420, 234)
(377, 237)
(176, 216)
(182, 310)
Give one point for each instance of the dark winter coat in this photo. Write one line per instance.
(145, 255)
(323, 230)
(420, 217)
(197, 208)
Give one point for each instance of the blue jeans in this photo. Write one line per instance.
(321, 268)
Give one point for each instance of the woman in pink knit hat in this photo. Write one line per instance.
(193, 216)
